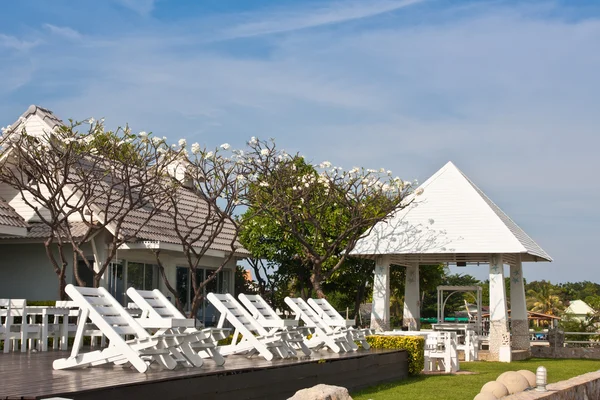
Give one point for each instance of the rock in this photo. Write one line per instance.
(514, 381)
(496, 388)
(322, 392)
(530, 376)
(485, 396)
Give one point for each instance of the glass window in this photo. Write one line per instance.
(141, 276)
(183, 286)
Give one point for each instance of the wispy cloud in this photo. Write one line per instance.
(303, 18)
(64, 31)
(142, 7)
(12, 42)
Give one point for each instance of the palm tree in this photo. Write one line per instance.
(544, 299)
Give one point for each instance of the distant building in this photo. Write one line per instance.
(580, 310)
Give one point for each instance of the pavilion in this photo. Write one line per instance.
(452, 221)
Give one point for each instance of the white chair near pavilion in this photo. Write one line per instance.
(115, 323)
(90, 330)
(323, 334)
(158, 313)
(333, 318)
(441, 352)
(249, 336)
(11, 332)
(292, 334)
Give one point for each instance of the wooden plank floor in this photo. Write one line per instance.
(30, 375)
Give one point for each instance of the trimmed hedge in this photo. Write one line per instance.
(415, 345)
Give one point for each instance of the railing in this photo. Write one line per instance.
(594, 342)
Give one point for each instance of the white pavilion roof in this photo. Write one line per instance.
(451, 221)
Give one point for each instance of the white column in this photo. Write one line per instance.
(518, 308)
(499, 335)
(412, 310)
(380, 315)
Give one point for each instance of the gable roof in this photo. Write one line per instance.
(159, 228)
(11, 223)
(452, 220)
(579, 307)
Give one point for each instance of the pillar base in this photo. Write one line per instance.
(499, 341)
(520, 335)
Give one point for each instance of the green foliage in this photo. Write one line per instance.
(414, 345)
(466, 386)
(242, 284)
(47, 303)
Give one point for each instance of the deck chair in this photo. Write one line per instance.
(11, 332)
(337, 322)
(249, 336)
(115, 323)
(156, 309)
(292, 334)
(90, 330)
(323, 334)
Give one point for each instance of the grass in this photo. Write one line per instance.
(466, 386)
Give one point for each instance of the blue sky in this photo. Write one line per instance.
(509, 91)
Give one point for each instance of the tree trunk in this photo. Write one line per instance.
(316, 280)
(360, 295)
(62, 284)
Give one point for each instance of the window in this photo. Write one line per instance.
(141, 276)
(206, 314)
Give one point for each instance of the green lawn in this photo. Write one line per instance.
(465, 387)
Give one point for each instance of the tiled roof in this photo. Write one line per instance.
(43, 113)
(160, 226)
(39, 230)
(9, 217)
(452, 217)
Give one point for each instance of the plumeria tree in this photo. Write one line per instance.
(83, 173)
(323, 209)
(216, 178)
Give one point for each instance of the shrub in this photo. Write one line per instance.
(414, 345)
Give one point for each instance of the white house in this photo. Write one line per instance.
(580, 310)
(26, 272)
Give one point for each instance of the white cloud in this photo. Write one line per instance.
(309, 17)
(12, 42)
(64, 31)
(142, 7)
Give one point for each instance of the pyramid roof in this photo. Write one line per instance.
(451, 221)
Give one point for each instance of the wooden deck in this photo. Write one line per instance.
(30, 376)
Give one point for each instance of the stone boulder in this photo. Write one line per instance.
(322, 392)
(530, 376)
(485, 396)
(514, 381)
(496, 388)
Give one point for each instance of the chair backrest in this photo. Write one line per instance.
(74, 312)
(235, 313)
(106, 313)
(258, 307)
(9, 309)
(154, 304)
(326, 311)
(307, 314)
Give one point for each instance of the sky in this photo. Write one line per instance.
(507, 90)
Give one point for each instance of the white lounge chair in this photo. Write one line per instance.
(158, 313)
(254, 338)
(292, 334)
(90, 330)
(323, 334)
(333, 318)
(114, 322)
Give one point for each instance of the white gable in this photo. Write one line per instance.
(579, 307)
(452, 216)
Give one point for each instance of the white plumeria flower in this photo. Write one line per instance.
(264, 152)
(325, 164)
(264, 184)
(91, 120)
(143, 134)
(196, 148)
(419, 191)
(182, 142)
(354, 170)
(253, 140)
(209, 154)
(241, 178)
(225, 146)
(156, 140)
